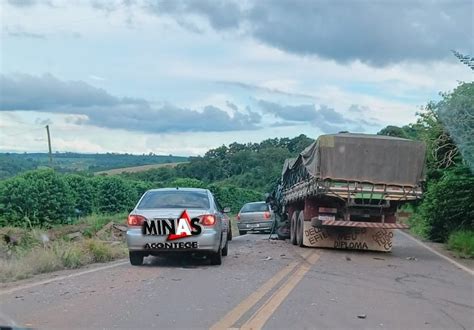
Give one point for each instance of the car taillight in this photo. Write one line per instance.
(208, 220)
(135, 220)
(267, 215)
(238, 216)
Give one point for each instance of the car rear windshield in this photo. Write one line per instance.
(175, 199)
(254, 207)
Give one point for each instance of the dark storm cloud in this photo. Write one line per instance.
(374, 32)
(27, 92)
(49, 94)
(325, 118)
(219, 13)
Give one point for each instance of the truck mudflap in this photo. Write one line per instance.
(357, 224)
(349, 238)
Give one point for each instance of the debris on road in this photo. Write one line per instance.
(362, 316)
(378, 258)
(120, 227)
(105, 228)
(267, 258)
(348, 258)
(412, 258)
(74, 236)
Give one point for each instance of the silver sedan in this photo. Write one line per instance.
(256, 216)
(177, 220)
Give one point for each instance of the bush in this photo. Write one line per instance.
(40, 196)
(462, 242)
(447, 205)
(114, 195)
(187, 183)
(82, 192)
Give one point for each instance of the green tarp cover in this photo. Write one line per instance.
(375, 159)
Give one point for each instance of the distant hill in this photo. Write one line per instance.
(136, 169)
(14, 163)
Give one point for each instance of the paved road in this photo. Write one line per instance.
(261, 284)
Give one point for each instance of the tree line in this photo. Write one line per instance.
(447, 128)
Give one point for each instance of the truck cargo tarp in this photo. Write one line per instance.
(364, 158)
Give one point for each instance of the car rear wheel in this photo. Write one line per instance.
(136, 258)
(294, 219)
(216, 258)
(242, 232)
(229, 234)
(299, 229)
(225, 250)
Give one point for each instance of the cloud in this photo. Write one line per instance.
(19, 32)
(325, 118)
(221, 15)
(99, 108)
(376, 33)
(22, 3)
(231, 105)
(27, 92)
(253, 88)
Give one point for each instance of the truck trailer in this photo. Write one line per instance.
(344, 190)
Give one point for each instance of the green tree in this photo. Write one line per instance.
(456, 111)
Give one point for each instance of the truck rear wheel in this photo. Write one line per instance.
(299, 229)
(294, 219)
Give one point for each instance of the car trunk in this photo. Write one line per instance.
(249, 217)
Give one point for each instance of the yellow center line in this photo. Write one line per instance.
(258, 320)
(235, 314)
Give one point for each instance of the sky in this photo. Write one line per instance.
(181, 77)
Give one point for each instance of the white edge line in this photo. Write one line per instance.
(457, 264)
(60, 278)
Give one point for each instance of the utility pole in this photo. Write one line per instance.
(49, 146)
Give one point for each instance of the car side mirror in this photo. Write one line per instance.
(227, 209)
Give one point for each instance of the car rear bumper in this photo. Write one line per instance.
(263, 225)
(207, 241)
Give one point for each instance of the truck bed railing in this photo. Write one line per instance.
(351, 190)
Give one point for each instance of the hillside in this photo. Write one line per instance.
(15, 163)
(135, 169)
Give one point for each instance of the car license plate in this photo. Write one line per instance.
(326, 217)
(253, 226)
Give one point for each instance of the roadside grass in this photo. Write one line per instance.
(462, 243)
(31, 251)
(95, 222)
(233, 223)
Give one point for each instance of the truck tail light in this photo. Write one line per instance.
(238, 216)
(135, 220)
(208, 220)
(267, 215)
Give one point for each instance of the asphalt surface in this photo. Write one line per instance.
(261, 284)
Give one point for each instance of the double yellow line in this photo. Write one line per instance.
(261, 316)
